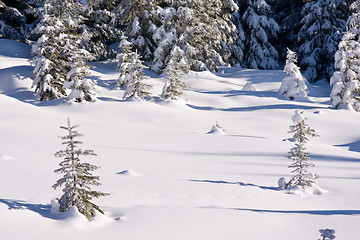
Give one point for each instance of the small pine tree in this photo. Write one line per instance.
(293, 86)
(175, 72)
(77, 176)
(298, 155)
(135, 87)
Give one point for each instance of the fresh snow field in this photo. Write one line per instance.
(167, 177)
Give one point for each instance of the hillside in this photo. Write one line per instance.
(167, 178)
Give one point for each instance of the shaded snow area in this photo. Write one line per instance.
(167, 177)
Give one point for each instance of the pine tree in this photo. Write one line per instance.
(77, 177)
(136, 88)
(58, 54)
(124, 61)
(203, 30)
(175, 72)
(345, 81)
(293, 86)
(322, 27)
(260, 31)
(298, 155)
(135, 17)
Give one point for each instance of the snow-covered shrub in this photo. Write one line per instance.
(293, 86)
(77, 177)
(327, 234)
(298, 155)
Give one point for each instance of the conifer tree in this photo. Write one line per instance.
(301, 131)
(77, 177)
(135, 17)
(259, 30)
(59, 55)
(293, 86)
(322, 27)
(136, 88)
(124, 61)
(203, 30)
(175, 72)
(345, 81)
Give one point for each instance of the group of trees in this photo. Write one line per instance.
(196, 34)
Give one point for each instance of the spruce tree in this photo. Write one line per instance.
(136, 88)
(175, 72)
(135, 17)
(322, 27)
(301, 131)
(203, 30)
(345, 81)
(293, 86)
(124, 61)
(77, 177)
(260, 30)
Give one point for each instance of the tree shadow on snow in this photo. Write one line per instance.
(312, 212)
(353, 146)
(43, 210)
(242, 184)
(256, 108)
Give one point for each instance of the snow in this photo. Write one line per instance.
(193, 185)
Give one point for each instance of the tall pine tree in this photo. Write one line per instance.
(346, 80)
(260, 31)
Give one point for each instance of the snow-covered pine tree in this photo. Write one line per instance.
(202, 29)
(13, 19)
(322, 27)
(124, 61)
(345, 81)
(301, 131)
(135, 17)
(175, 72)
(260, 31)
(293, 86)
(99, 28)
(77, 177)
(136, 88)
(58, 53)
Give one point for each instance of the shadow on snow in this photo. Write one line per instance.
(42, 209)
(237, 183)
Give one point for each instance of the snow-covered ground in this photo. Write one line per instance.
(168, 177)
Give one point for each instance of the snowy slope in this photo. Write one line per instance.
(168, 178)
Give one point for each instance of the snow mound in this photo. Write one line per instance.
(6, 158)
(282, 183)
(216, 129)
(248, 87)
(129, 173)
(75, 218)
(310, 190)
